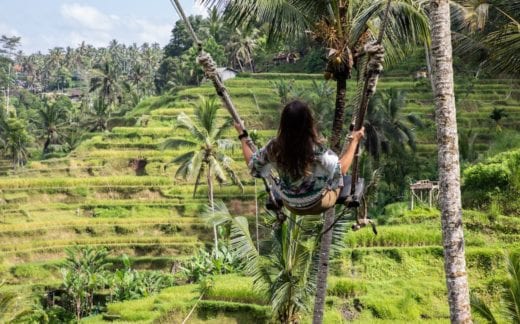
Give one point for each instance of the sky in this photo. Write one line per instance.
(45, 24)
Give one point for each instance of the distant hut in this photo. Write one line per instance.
(424, 192)
(285, 58)
(226, 73)
(75, 95)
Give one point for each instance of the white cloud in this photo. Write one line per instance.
(151, 32)
(88, 17)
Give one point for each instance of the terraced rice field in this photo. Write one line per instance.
(95, 197)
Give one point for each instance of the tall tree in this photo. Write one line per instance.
(386, 128)
(449, 168)
(206, 154)
(52, 117)
(106, 80)
(489, 32)
(17, 141)
(241, 48)
(8, 50)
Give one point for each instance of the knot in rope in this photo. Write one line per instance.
(376, 53)
(209, 66)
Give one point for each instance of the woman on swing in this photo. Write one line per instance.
(311, 176)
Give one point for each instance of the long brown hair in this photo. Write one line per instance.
(293, 148)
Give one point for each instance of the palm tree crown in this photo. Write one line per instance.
(206, 145)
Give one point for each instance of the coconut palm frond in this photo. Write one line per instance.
(206, 113)
(245, 248)
(185, 122)
(415, 120)
(226, 163)
(285, 18)
(480, 307)
(196, 165)
(511, 298)
(505, 56)
(184, 157)
(218, 132)
(200, 173)
(407, 23)
(174, 143)
(218, 215)
(217, 169)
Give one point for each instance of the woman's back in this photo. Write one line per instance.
(324, 172)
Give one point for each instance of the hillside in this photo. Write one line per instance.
(99, 196)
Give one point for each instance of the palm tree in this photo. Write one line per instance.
(386, 128)
(106, 80)
(510, 296)
(215, 24)
(449, 167)
(490, 31)
(52, 116)
(16, 141)
(206, 148)
(286, 270)
(97, 116)
(241, 47)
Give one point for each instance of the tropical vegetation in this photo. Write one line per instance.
(116, 162)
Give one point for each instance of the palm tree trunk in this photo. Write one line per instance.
(212, 206)
(339, 113)
(449, 168)
(323, 268)
(326, 239)
(427, 53)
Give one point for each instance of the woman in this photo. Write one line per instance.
(311, 176)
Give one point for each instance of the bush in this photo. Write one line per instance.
(494, 182)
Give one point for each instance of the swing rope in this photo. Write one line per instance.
(210, 70)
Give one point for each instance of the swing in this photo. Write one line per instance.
(351, 193)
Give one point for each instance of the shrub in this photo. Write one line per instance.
(495, 180)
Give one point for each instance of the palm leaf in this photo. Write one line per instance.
(217, 169)
(284, 18)
(174, 143)
(481, 308)
(245, 248)
(511, 298)
(185, 122)
(200, 173)
(218, 132)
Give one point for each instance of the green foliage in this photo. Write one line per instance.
(346, 288)
(283, 89)
(10, 308)
(203, 264)
(206, 145)
(128, 283)
(510, 310)
(494, 181)
(83, 274)
(15, 140)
